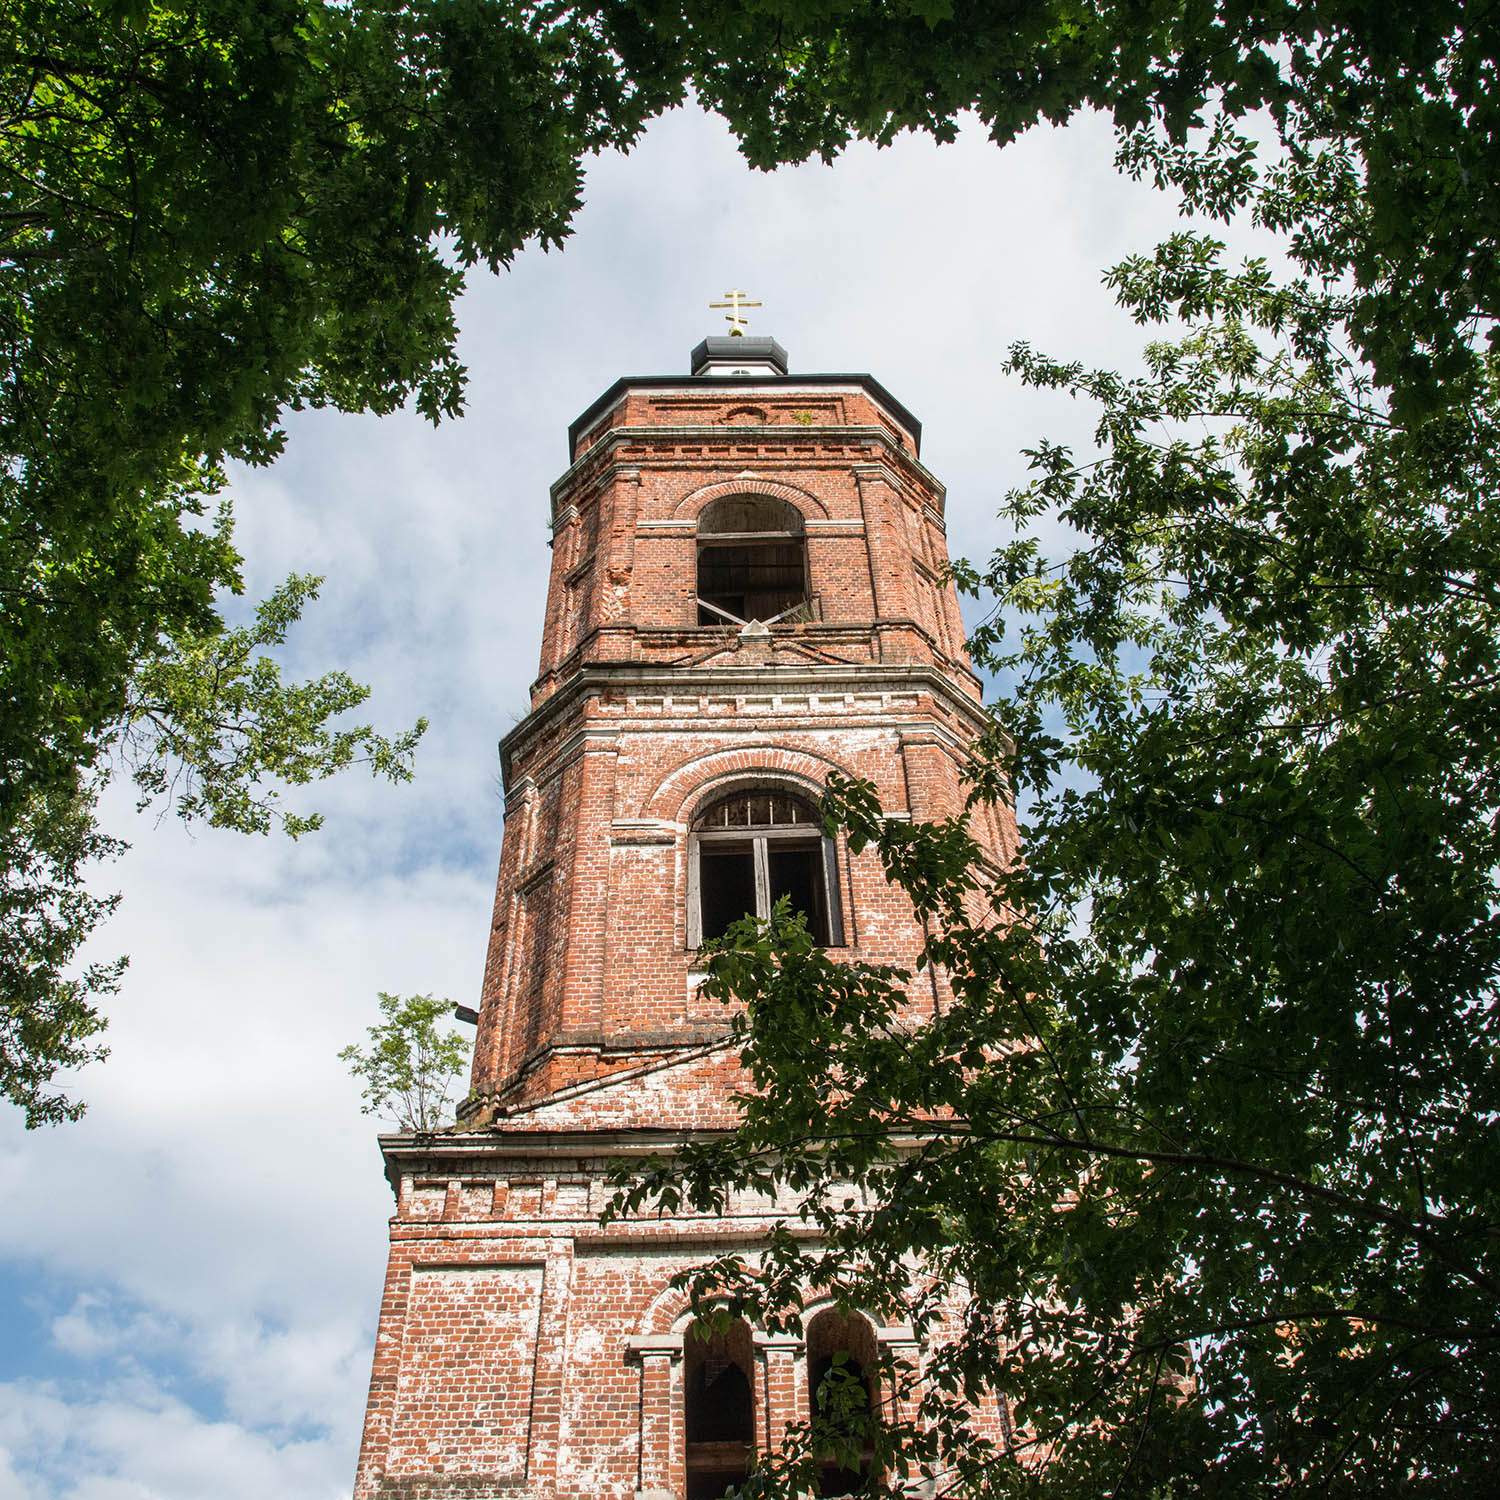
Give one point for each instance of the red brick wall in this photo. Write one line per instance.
(526, 1351)
(464, 1325)
(522, 1349)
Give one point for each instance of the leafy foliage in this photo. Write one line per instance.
(46, 1019)
(211, 731)
(209, 214)
(209, 721)
(212, 213)
(1206, 1145)
(411, 1066)
(1396, 104)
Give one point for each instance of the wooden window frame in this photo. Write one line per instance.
(760, 840)
(785, 527)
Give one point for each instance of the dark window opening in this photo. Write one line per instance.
(719, 1411)
(842, 1349)
(796, 872)
(727, 882)
(750, 850)
(720, 1408)
(756, 810)
(760, 582)
(752, 562)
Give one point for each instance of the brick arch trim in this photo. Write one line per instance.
(671, 1312)
(884, 1332)
(812, 1306)
(686, 784)
(689, 507)
(668, 1308)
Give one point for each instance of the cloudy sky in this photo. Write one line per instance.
(191, 1274)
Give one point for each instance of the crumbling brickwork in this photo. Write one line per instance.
(522, 1348)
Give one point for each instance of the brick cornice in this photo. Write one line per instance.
(712, 388)
(603, 462)
(783, 678)
(454, 1153)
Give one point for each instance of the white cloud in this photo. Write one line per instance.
(95, 1327)
(131, 1440)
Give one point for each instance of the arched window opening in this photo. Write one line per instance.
(719, 1410)
(752, 562)
(842, 1349)
(751, 848)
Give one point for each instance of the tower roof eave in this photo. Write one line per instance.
(868, 383)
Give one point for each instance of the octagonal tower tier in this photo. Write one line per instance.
(747, 591)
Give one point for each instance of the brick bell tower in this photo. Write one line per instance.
(746, 593)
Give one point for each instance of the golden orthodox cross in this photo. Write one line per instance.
(732, 317)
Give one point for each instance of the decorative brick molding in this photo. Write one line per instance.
(696, 781)
(749, 483)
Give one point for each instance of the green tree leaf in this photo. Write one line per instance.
(410, 1066)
